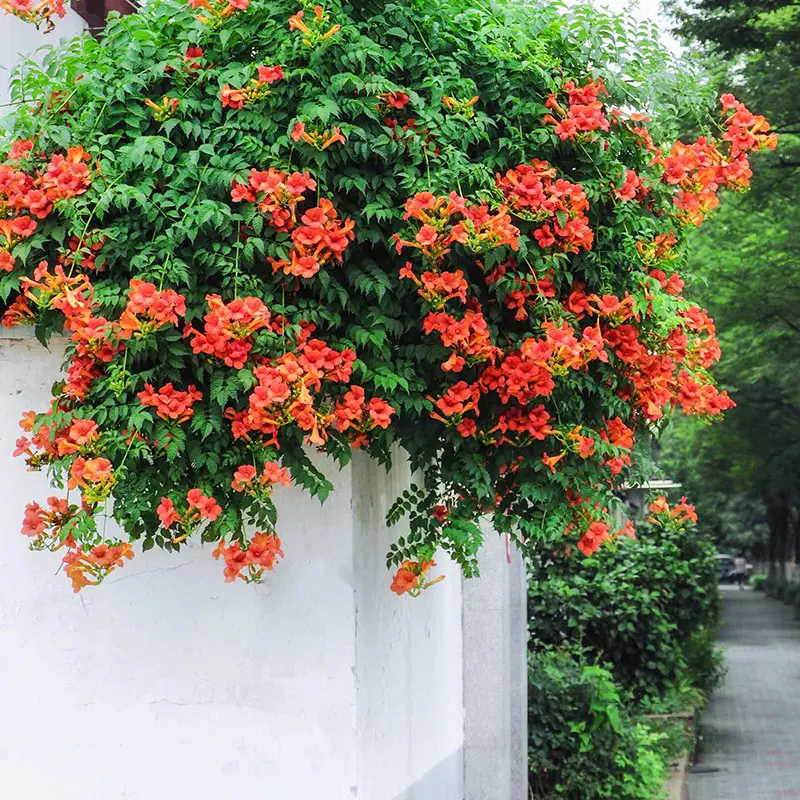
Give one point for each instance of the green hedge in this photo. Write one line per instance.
(583, 742)
(647, 607)
(758, 582)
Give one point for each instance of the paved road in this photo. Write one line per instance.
(752, 728)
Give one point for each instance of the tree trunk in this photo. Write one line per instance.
(783, 543)
(772, 548)
(793, 520)
(778, 520)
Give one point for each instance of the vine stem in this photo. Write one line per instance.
(91, 216)
(423, 39)
(128, 450)
(55, 112)
(236, 264)
(162, 276)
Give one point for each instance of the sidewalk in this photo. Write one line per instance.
(752, 728)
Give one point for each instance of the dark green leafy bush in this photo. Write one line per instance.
(705, 663)
(583, 743)
(758, 582)
(648, 607)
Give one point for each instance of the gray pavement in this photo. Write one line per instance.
(751, 731)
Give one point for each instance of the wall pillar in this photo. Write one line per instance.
(495, 676)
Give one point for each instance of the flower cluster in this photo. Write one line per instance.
(31, 192)
(289, 392)
(229, 328)
(93, 476)
(322, 237)
(599, 532)
(216, 12)
(96, 340)
(257, 89)
(165, 109)
(670, 370)
(51, 528)
(195, 509)
(36, 13)
(745, 131)
(680, 514)
(701, 169)
(353, 413)
(90, 567)
(261, 554)
(633, 187)
(389, 104)
(149, 309)
(659, 250)
(44, 526)
(436, 288)
(193, 60)
(449, 220)
(50, 441)
(277, 193)
(83, 252)
(319, 238)
(410, 578)
(464, 108)
(170, 403)
(316, 30)
(533, 192)
(248, 479)
(584, 113)
(468, 338)
(319, 140)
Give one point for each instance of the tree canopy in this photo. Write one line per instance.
(746, 270)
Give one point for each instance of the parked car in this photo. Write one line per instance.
(725, 568)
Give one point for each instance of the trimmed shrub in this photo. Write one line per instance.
(583, 744)
(758, 582)
(648, 607)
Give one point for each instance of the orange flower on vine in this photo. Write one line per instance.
(164, 110)
(217, 11)
(464, 108)
(320, 140)
(312, 31)
(410, 578)
(39, 14)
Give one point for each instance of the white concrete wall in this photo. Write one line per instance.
(496, 675)
(408, 659)
(165, 683)
(18, 38)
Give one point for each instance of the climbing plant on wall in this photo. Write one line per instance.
(272, 227)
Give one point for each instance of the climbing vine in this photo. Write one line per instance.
(267, 229)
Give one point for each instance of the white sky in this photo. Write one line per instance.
(646, 10)
(643, 9)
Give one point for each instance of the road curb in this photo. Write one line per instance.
(677, 787)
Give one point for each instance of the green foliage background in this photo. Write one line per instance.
(743, 475)
(628, 632)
